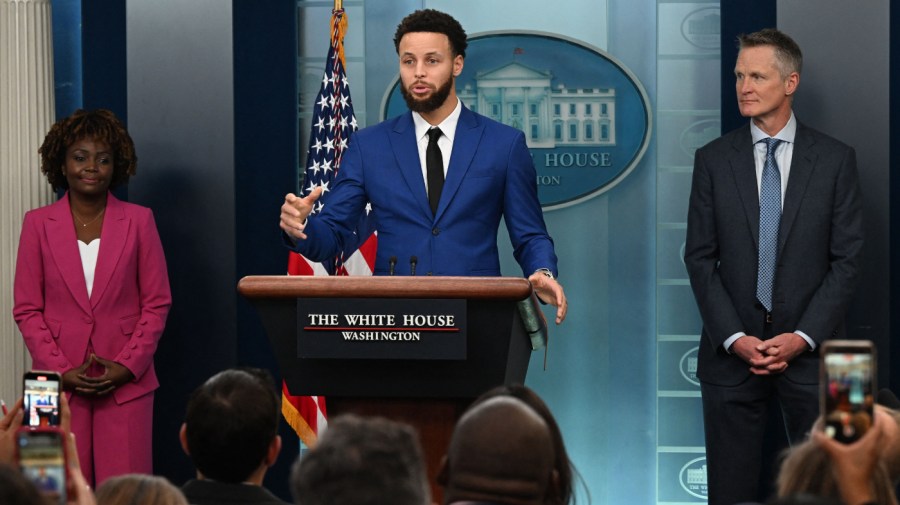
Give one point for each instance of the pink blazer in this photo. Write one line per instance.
(125, 315)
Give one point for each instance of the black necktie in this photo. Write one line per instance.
(434, 166)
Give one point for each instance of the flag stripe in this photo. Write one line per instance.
(305, 414)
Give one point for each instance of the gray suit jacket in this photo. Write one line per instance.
(819, 248)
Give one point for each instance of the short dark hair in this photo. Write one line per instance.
(98, 125)
(787, 53)
(362, 461)
(231, 420)
(432, 21)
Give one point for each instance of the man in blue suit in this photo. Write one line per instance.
(773, 250)
(447, 221)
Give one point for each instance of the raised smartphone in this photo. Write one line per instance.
(41, 394)
(41, 456)
(847, 388)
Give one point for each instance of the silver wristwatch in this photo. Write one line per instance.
(545, 271)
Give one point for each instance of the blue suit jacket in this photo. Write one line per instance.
(490, 175)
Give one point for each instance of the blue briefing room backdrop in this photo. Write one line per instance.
(213, 94)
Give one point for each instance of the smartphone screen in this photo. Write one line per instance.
(848, 389)
(41, 458)
(41, 393)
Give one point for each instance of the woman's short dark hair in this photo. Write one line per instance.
(98, 125)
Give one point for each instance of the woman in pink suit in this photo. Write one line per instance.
(92, 293)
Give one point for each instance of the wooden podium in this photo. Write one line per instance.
(496, 324)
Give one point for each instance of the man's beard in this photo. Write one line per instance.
(437, 98)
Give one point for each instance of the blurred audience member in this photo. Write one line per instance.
(856, 473)
(804, 499)
(139, 489)
(565, 470)
(15, 489)
(78, 490)
(888, 402)
(10, 423)
(502, 452)
(362, 461)
(230, 432)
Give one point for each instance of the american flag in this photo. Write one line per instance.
(332, 123)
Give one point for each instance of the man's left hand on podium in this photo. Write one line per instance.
(549, 290)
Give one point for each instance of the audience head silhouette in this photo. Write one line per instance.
(501, 451)
(231, 424)
(139, 489)
(16, 489)
(809, 469)
(565, 470)
(362, 461)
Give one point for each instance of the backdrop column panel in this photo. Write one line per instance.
(26, 70)
(844, 92)
(181, 116)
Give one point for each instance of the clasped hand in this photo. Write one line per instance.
(114, 375)
(769, 357)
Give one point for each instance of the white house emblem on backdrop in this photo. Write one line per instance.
(693, 478)
(702, 28)
(688, 366)
(585, 116)
(698, 134)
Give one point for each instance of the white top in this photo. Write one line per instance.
(89, 254)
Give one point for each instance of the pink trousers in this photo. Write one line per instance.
(112, 439)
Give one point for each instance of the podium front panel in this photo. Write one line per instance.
(497, 352)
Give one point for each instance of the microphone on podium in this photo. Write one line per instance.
(392, 263)
(412, 265)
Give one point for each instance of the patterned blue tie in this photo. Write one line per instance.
(769, 219)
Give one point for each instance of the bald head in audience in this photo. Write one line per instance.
(501, 452)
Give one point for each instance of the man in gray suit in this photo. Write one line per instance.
(773, 247)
